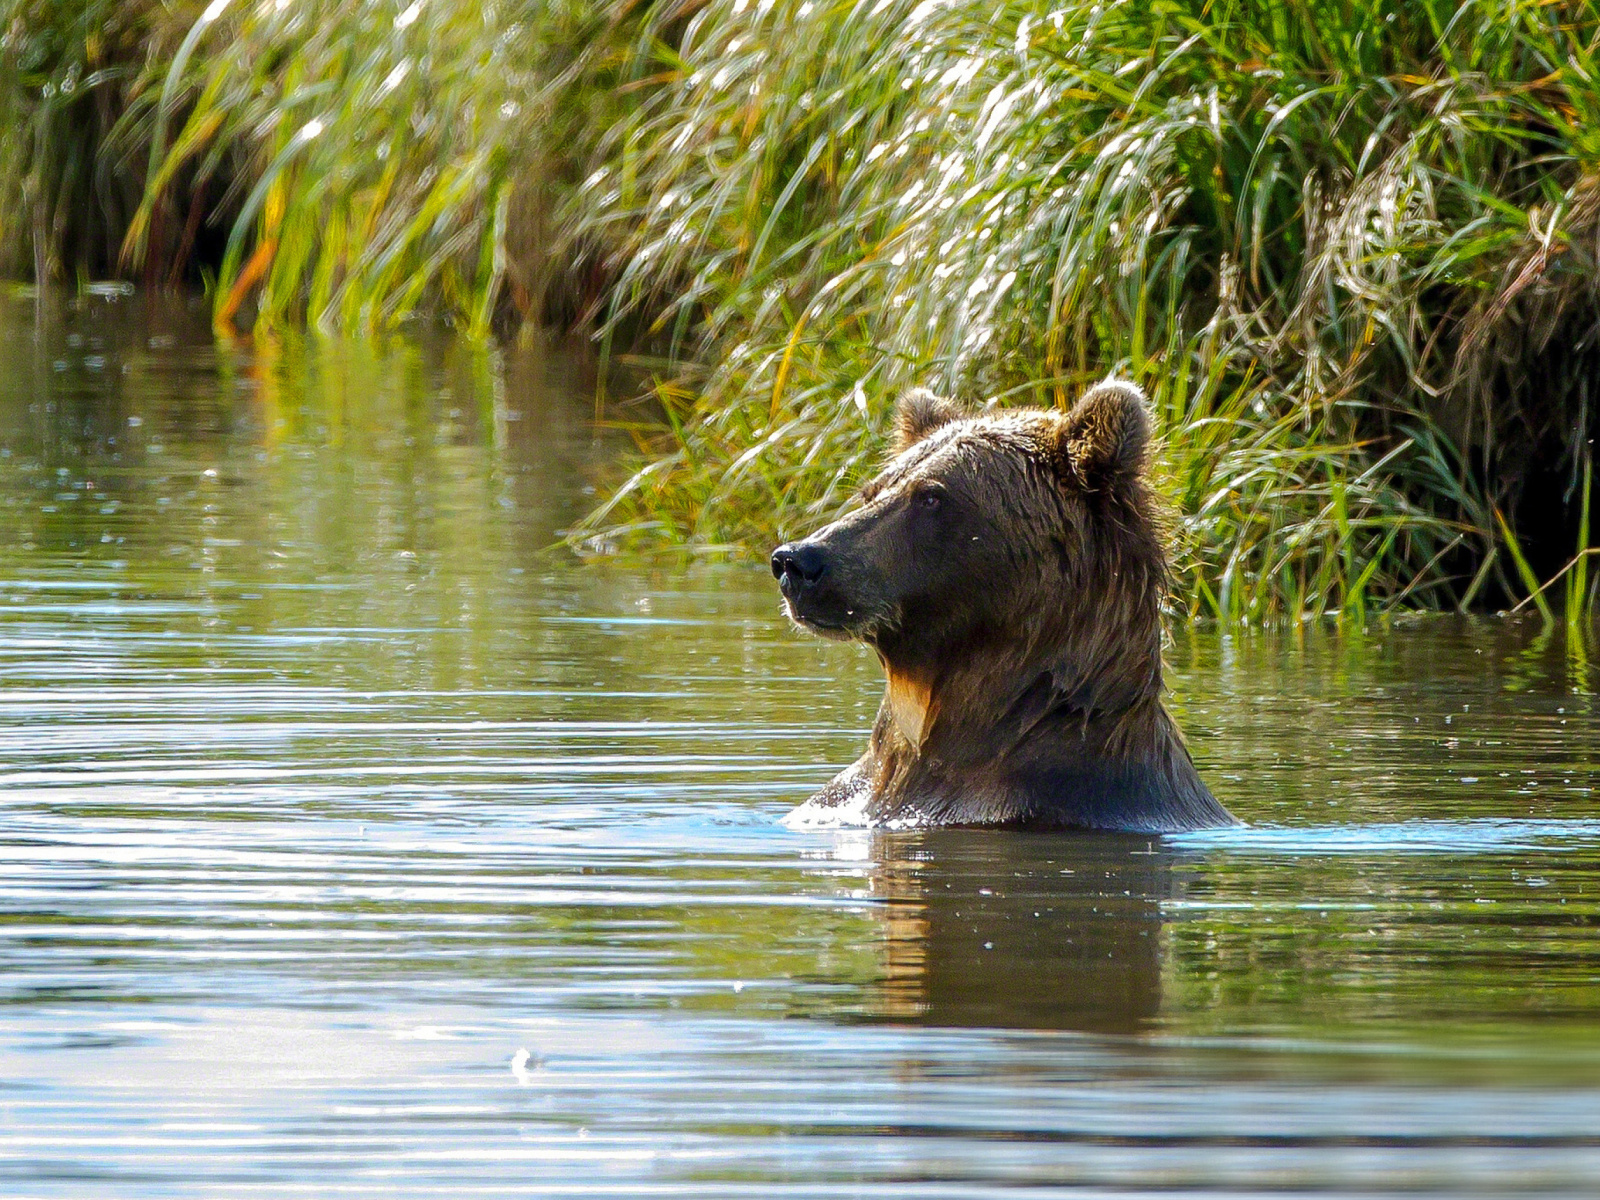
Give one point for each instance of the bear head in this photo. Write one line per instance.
(996, 547)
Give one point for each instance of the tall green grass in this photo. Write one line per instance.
(402, 158)
(345, 165)
(1328, 238)
(68, 69)
(1349, 248)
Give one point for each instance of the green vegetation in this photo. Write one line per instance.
(1350, 249)
(68, 72)
(1331, 240)
(342, 164)
(405, 157)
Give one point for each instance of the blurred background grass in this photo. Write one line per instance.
(1348, 248)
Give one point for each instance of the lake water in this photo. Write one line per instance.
(355, 843)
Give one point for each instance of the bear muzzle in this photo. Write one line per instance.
(798, 567)
(802, 570)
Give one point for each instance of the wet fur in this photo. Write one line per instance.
(1022, 645)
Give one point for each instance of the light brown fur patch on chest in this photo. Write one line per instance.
(910, 704)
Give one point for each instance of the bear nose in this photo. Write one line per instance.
(798, 565)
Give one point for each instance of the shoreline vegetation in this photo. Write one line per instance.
(1352, 251)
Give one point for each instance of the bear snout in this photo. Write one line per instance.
(797, 568)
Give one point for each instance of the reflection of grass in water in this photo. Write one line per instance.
(1333, 242)
(1426, 953)
(1465, 837)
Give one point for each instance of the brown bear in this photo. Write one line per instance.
(1009, 569)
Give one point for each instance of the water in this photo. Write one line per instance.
(354, 843)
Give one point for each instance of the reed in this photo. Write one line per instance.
(68, 69)
(383, 161)
(1579, 598)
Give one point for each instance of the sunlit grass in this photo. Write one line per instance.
(1349, 249)
(403, 158)
(1324, 237)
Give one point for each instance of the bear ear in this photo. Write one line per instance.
(917, 414)
(1105, 438)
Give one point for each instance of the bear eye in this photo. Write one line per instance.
(928, 499)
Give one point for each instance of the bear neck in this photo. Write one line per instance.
(963, 716)
(1035, 738)
(987, 691)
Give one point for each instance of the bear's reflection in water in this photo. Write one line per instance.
(1018, 930)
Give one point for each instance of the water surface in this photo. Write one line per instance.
(354, 843)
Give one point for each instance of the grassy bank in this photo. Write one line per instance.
(1350, 249)
(347, 165)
